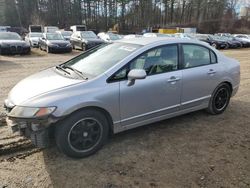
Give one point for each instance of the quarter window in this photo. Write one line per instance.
(195, 56)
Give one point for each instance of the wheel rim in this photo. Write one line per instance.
(85, 135)
(214, 45)
(221, 99)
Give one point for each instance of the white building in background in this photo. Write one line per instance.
(245, 13)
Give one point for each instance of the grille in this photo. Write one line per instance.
(19, 49)
(13, 49)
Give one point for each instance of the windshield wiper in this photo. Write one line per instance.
(79, 73)
(61, 68)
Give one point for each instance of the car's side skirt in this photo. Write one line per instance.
(117, 127)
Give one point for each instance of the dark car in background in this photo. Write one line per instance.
(54, 42)
(12, 43)
(232, 42)
(85, 40)
(214, 41)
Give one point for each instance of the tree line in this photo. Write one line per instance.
(130, 15)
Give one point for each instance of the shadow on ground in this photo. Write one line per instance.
(193, 150)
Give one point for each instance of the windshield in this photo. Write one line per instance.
(201, 37)
(66, 33)
(9, 36)
(36, 34)
(98, 60)
(54, 36)
(88, 34)
(114, 36)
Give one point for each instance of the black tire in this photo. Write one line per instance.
(0, 50)
(74, 133)
(83, 47)
(47, 49)
(220, 99)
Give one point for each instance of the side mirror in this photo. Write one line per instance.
(136, 74)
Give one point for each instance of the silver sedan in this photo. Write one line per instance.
(120, 86)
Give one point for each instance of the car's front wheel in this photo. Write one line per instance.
(220, 99)
(82, 134)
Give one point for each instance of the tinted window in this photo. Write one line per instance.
(195, 55)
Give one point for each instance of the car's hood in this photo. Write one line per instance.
(58, 42)
(12, 42)
(94, 40)
(39, 83)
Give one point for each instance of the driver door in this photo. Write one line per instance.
(159, 93)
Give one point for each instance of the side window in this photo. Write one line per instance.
(213, 57)
(195, 55)
(156, 61)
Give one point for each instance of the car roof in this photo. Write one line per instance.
(150, 40)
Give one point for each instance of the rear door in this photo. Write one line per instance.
(201, 75)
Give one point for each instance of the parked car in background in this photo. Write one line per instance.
(4, 28)
(76, 28)
(66, 34)
(213, 41)
(132, 36)
(231, 42)
(12, 43)
(245, 41)
(54, 42)
(120, 86)
(50, 29)
(242, 36)
(85, 40)
(109, 37)
(184, 36)
(155, 35)
(35, 28)
(33, 39)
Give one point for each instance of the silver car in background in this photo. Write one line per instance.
(33, 39)
(120, 86)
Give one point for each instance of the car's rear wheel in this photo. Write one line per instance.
(82, 134)
(220, 99)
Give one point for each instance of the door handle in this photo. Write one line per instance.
(211, 71)
(173, 79)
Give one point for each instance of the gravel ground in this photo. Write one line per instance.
(194, 150)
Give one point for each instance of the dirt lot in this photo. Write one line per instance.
(194, 150)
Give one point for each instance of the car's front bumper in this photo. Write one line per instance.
(5, 50)
(37, 130)
(60, 49)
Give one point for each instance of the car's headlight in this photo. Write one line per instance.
(30, 112)
(69, 45)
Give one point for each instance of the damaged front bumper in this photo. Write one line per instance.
(37, 130)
